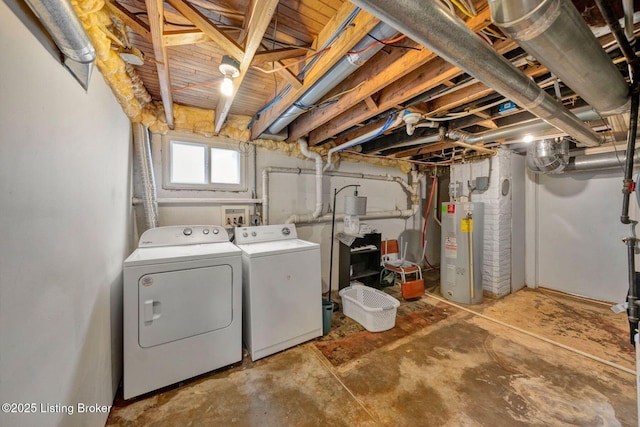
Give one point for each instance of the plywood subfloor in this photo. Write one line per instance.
(440, 366)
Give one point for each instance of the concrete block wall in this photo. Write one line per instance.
(496, 271)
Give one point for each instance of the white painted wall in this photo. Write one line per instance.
(293, 193)
(574, 240)
(64, 221)
(290, 194)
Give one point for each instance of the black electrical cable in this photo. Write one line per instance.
(391, 44)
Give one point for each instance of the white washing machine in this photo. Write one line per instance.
(282, 288)
(182, 306)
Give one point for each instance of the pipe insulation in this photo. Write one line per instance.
(142, 143)
(428, 23)
(340, 71)
(556, 35)
(64, 26)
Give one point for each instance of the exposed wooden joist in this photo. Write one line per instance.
(183, 37)
(278, 55)
(411, 85)
(282, 70)
(376, 75)
(424, 150)
(190, 12)
(155, 12)
(371, 103)
(361, 25)
(473, 92)
(129, 19)
(258, 20)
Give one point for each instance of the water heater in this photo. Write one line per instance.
(461, 252)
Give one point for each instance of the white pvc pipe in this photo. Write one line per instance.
(310, 218)
(198, 201)
(361, 139)
(304, 149)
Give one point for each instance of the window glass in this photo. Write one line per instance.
(187, 163)
(225, 166)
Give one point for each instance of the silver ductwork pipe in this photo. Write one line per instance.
(142, 145)
(340, 71)
(548, 156)
(428, 23)
(556, 35)
(601, 161)
(62, 23)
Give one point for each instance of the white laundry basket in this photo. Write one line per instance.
(373, 309)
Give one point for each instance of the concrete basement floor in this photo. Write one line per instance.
(440, 366)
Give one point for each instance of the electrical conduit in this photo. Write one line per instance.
(389, 124)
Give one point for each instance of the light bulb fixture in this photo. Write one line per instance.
(231, 69)
(226, 88)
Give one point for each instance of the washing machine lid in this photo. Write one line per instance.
(164, 254)
(277, 247)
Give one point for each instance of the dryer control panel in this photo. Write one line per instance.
(183, 235)
(265, 233)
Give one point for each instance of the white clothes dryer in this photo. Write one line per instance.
(182, 304)
(282, 288)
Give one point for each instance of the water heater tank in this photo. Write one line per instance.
(461, 252)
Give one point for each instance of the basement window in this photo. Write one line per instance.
(193, 164)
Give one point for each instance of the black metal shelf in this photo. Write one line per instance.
(362, 265)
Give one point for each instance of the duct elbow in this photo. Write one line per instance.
(548, 156)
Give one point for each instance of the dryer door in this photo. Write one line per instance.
(180, 304)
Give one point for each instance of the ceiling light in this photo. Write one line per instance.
(231, 69)
(527, 138)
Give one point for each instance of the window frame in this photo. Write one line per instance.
(208, 143)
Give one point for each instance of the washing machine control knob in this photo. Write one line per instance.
(245, 234)
(216, 231)
(187, 231)
(254, 234)
(286, 231)
(205, 231)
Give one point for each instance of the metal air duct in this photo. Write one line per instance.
(429, 24)
(548, 156)
(340, 71)
(600, 161)
(67, 32)
(142, 144)
(556, 35)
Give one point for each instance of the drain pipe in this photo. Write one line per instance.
(389, 124)
(411, 189)
(628, 184)
(533, 127)
(427, 23)
(304, 149)
(142, 144)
